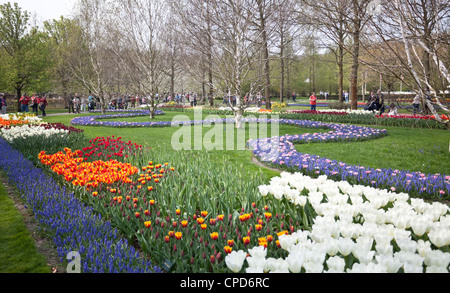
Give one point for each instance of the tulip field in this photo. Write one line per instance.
(111, 188)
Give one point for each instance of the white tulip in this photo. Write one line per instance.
(258, 252)
(256, 262)
(295, 261)
(439, 238)
(263, 190)
(313, 267)
(301, 200)
(363, 255)
(286, 241)
(406, 244)
(412, 268)
(276, 265)
(254, 270)
(436, 270)
(391, 264)
(437, 258)
(235, 260)
(336, 264)
(345, 245)
(406, 257)
(383, 248)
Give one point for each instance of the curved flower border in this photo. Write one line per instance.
(72, 225)
(287, 156)
(92, 120)
(400, 180)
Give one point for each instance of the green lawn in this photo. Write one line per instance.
(424, 150)
(18, 253)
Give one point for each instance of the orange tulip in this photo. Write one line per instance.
(228, 249)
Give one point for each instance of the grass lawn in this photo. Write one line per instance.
(18, 253)
(424, 150)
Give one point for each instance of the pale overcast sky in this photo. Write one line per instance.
(45, 9)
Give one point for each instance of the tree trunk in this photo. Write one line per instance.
(355, 56)
(282, 65)
(282, 76)
(265, 52)
(341, 73)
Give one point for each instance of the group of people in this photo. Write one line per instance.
(35, 101)
(78, 104)
(376, 103)
(248, 99)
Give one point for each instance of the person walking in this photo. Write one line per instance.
(91, 103)
(42, 102)
(24, 102)
(313, 101)
(191, 99)
(83, 104)
(346, 96)
(34, 104)
(3, 103)
(70, 102)
(416, 104)
(76, 104)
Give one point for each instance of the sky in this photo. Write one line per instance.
(45, 9)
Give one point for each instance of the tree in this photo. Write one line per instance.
(139, 29)
(358, 18)
(234, 40)
(91, 63)
(286, 29)
(64, 41)
(400, 30)
(24, 48)
(330, 19)
(197, 27)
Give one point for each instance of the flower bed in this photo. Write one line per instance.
(14, 119)
(139, 207)
(92, 120)
(364, 118)
(192, 227)
(29, 137)
(420, 117)
(357, 229)
(66, 220)
(430, 185)
(286, 156)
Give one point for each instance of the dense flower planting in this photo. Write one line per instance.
(14, 119)
(420, 117)
(105, 148)
(437, 185)
(92, 120)
(308, 225)
(71, 225)
(357, 229)
(27, 131)
(196, 242)
(81, 173)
